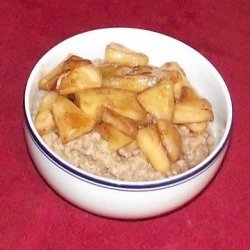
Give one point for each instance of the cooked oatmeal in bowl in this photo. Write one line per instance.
(124, 119)
(90, 153)
(130, 135)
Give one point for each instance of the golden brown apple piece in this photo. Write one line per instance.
(130, 146)
(124, 103)
(158, 100)
(74, 62)
(191, 108)
(48, 82)
(169, 66)
(189, 93)
(91, 102)
(197, 127)
(149, 119)
(170, 138)
(109, 70)
(145, 69)
(119, 54)
(176, 78)
(122, 123)
(149, 142)
(132, 82)
(79, 78)
(70, 120)
(115, 138)
(44, 121)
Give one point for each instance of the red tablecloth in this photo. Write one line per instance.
(32, 216)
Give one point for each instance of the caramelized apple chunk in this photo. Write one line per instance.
(70, 120)
(44, 121)
(119, 54)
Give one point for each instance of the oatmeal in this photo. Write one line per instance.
(90, 153)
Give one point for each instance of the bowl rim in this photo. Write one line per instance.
(119, 184)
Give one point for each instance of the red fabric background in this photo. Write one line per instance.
(32, 216)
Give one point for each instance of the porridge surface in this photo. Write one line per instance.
(91, 153)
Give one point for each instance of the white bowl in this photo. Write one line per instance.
(124, 199)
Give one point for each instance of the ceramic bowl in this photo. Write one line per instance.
(124, 199)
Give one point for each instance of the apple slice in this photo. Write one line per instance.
(189, 93)
(132, 82)
(115, 138)
(176, 78)
(149, 142)
(148, 120)
(197, 127)
(130, 146)
(91, 102)
(109, 70)
(44, 121)
(169, 66)
(122, 123)
(75, 62)
(192, 109)
(145, 69)
(170, 138)
(158, 100)
(119, 54)
(124, 103)
(79, 78)
(48, 82)
(70, 120)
